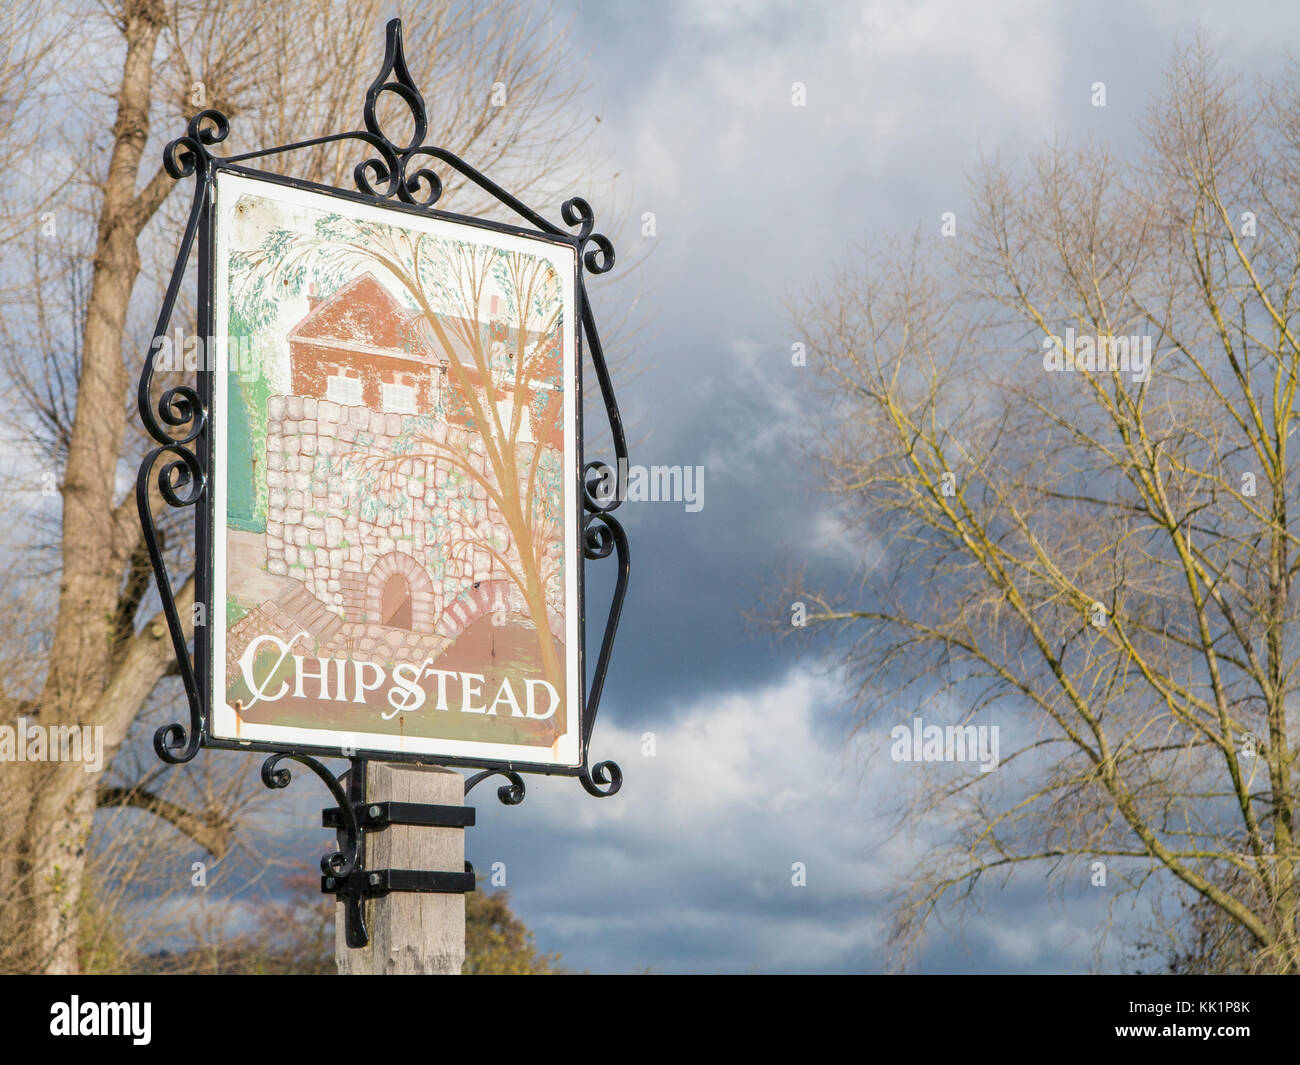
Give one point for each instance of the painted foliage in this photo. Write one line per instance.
(398, 480)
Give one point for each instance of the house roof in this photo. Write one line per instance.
(364, 317)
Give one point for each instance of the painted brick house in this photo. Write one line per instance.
(363, 374)
(361, 348)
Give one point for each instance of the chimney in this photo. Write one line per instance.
(313, 300)
(493, 312)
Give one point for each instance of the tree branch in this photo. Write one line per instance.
(210, 828)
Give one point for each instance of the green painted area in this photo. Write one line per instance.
(247, 397)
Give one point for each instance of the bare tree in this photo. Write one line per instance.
(75, 301)
(1088, 550)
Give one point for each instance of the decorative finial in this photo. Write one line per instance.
(401, 84)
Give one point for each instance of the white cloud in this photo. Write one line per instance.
(690, 866)
(703, 837)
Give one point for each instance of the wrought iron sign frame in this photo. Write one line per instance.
(397, 177)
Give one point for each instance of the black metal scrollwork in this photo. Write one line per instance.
(187, 155)
(399, 172)
(601, 536)
(511, 794)
(394, 78)
(343, 861)
(182, 481)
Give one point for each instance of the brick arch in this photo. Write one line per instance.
(417, 578)
(480, 601)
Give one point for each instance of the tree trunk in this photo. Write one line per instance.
(95, 543)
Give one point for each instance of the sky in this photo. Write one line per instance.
(692, 867)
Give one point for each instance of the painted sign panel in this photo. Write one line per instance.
(395, 502)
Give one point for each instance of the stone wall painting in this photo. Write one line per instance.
(395, 519)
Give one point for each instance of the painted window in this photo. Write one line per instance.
(399, 399)
(344, 390)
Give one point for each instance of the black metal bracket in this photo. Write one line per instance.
(362, 884)
(343, 872)
(374, 815)
(383, 881)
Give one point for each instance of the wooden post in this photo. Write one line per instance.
(411, 933)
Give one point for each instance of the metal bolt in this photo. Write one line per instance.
(374, 812)
(374, 879)
(329, 881)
